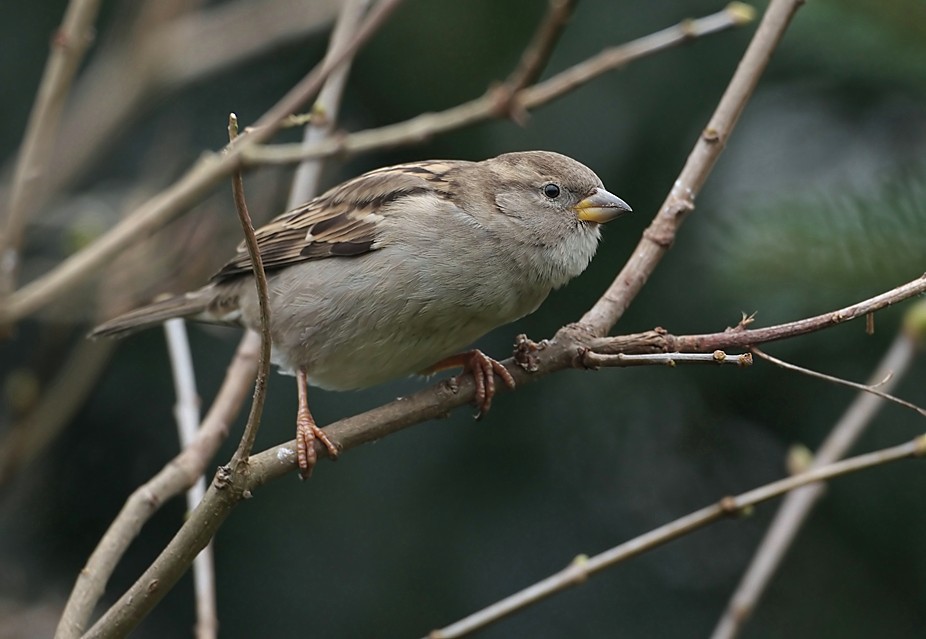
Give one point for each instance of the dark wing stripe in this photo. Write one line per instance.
(380, 201)
(318, 229)
(346, 249)
(341, 223)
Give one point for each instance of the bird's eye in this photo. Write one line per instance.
(551, 191)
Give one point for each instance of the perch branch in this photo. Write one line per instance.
(531, 361)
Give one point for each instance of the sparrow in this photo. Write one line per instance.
(397, 271)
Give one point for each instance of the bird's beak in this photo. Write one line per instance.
(600, 207)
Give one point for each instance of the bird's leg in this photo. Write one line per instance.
(307, 431)
(483, 369)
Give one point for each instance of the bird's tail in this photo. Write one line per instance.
(190, 304)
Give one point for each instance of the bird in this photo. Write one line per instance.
(397, 271)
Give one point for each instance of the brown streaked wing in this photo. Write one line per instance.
(340, 223)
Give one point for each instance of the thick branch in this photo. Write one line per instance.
(178, 475)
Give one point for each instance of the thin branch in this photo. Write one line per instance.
(325, 111)
(591, 359)
(797, 505)
(838, 380)
(583, 567)
(195, 183)
(740, 337)
(659, 236)
(427, 125)
(178, 475)
(239, 459)
(538, 52)
(530, 362)
(186, 412)
(68, 47)
(117, 617)
(161, 57)
(534, 59)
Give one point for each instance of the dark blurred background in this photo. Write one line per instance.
(817, 202)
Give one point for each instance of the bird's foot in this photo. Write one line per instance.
(306, 434)
(483, 369)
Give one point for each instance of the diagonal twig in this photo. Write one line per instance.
(583, 567)
(797, 505)
(534, 59)
(205, 174)
(659, 236)
(838, 380)
(427, 125)
(327, 106)
(178, 475)
(68, 47)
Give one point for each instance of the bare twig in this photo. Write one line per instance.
(163, 56)
(121, 618)
(197, 181)
(175, 477)
(530, 362)
(186, 412)
(592, 359)
(239, 459)
(660, 234)
(68, 47)
(838, 380)
(583, 567)
(741, 337)
(535, 56)
(797, 505)
(534, 59)
(305, 182)
(427, 125)
(227, 489)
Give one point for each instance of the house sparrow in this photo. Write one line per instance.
(393, 272)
